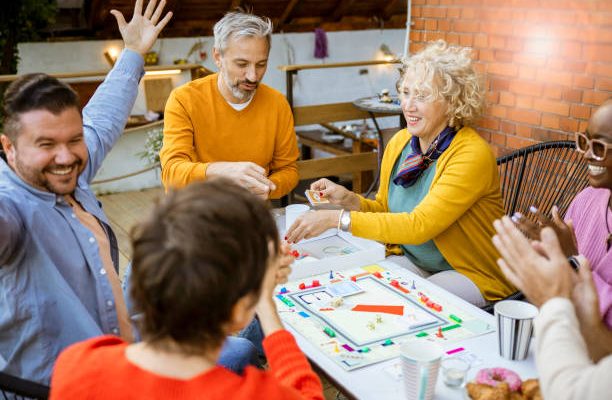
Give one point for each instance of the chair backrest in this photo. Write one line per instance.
(12, 387)
(350, 163)
(542, 175)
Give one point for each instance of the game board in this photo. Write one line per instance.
(358, 317)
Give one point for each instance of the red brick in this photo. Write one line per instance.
(498, 139)
(514, 44)
(578, 111)
(597, 98)
(597, 52)
(604, 84)
(508, 127)
(452, 38)
(552, 92)
(453, 12)
(526, 72)
(584, 125)
(465, 26)
(416, 11)
(466, 39)
(481, 40)
(517, 143)
(498, 111)
(543, 135)
(600, 19)
(419, 24)
(551, 106)
(431, 36)
(568, 124)
(434, 12)
(469, 13)
(416, 36)
(565, 65)
(503, 69)
(570, 49)
(526, 116)
(550, 121)
(586, 82)
(522, 87)
(497, 42)
(506, 99)
(416, 47)
(504, 56)
(523, 130)
(480, 68)
(431, 25)
(600, 69)
(595, 35)
(444, 25)
(499, 84)
(486, 55)
(572, 95)
(490, 123)
(524, 102)
(530, 59)
(491, 13)
(492, 97)
(561, 78)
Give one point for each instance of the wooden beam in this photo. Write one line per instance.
(286, 13)
(300, 67)
(388, 10)
(341, 10)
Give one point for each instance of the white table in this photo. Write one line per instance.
(374, 382)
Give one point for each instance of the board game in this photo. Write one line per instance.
(358, 317)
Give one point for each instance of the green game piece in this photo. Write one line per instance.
(448, 328)
(421, 334)
(455, 318)
(329, 332)
(388, 342)
(365, 350)
(287, 302)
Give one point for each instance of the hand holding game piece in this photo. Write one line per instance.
(336, 194)
(316, 198)
(244, 173)
(285, 259)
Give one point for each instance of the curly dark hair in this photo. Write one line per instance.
(202, 249)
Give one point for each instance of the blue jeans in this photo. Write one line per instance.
(237, 352)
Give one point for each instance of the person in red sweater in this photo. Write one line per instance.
(204, 262)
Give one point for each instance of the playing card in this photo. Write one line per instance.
(314, 198)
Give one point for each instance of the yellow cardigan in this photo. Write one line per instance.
(458, 212)
(200, 127)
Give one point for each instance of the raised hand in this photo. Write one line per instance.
(336, 194)
(540, 274)
(142, 30)
(244, 173)
(565, 231)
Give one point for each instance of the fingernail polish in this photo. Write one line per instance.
(518, 215)
(320, 193)
(514, 219)
(533, 209)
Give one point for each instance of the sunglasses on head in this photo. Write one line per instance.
(598, 148)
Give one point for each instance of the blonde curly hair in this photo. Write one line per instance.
(446, 72)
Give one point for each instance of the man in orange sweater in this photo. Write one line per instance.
(206, 259)
(229, 124)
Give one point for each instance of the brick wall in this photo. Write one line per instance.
(548, 63)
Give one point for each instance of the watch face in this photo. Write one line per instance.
(345, 221)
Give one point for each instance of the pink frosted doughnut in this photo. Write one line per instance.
(495, 376)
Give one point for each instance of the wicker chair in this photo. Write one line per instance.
(12, 387)
(542, 175)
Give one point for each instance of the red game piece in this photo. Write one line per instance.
(437, 307)
(439, 334)
(378, 275)
(302, 286)
(315, 283)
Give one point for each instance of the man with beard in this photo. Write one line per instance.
(58, 254)
(229, 124)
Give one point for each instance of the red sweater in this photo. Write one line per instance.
(98, 369)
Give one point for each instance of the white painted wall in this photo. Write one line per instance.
(311, 87)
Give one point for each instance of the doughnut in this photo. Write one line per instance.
(495, 376)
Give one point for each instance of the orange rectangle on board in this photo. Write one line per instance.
(396, 310)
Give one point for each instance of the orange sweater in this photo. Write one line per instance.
(98, 369)
(201, 127)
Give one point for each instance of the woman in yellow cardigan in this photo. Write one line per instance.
(439, 186)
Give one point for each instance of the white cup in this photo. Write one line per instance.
(514, 328)
(292, 212)
(420, 365)
(454, 371)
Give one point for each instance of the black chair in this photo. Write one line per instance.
(542, 175)
(12, 387)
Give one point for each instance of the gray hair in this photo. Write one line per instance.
(238, 24)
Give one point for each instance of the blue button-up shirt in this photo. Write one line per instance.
(53, 286)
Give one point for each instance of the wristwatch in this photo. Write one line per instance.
(345, 221)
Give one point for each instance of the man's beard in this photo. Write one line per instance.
(242, 95)
(38, 179)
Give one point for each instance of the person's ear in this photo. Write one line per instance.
(9, 149)
(217, 57)
(242, 314)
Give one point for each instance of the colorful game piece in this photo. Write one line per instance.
(329, 332)
(302, 286)
(377, 274)
(315, 283)
(326, 309)
(331, 274)
(437, 307)
(371, 326)
(398, 286)
(283, 290)
(364, 350)
(388, 342)
(448, 328)
(337, 301)
(303, 314)
(413, 287)
(455, 318)
(347, 347)
(422, 334)
(379, 319)
(336, 348)
(439, 333)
